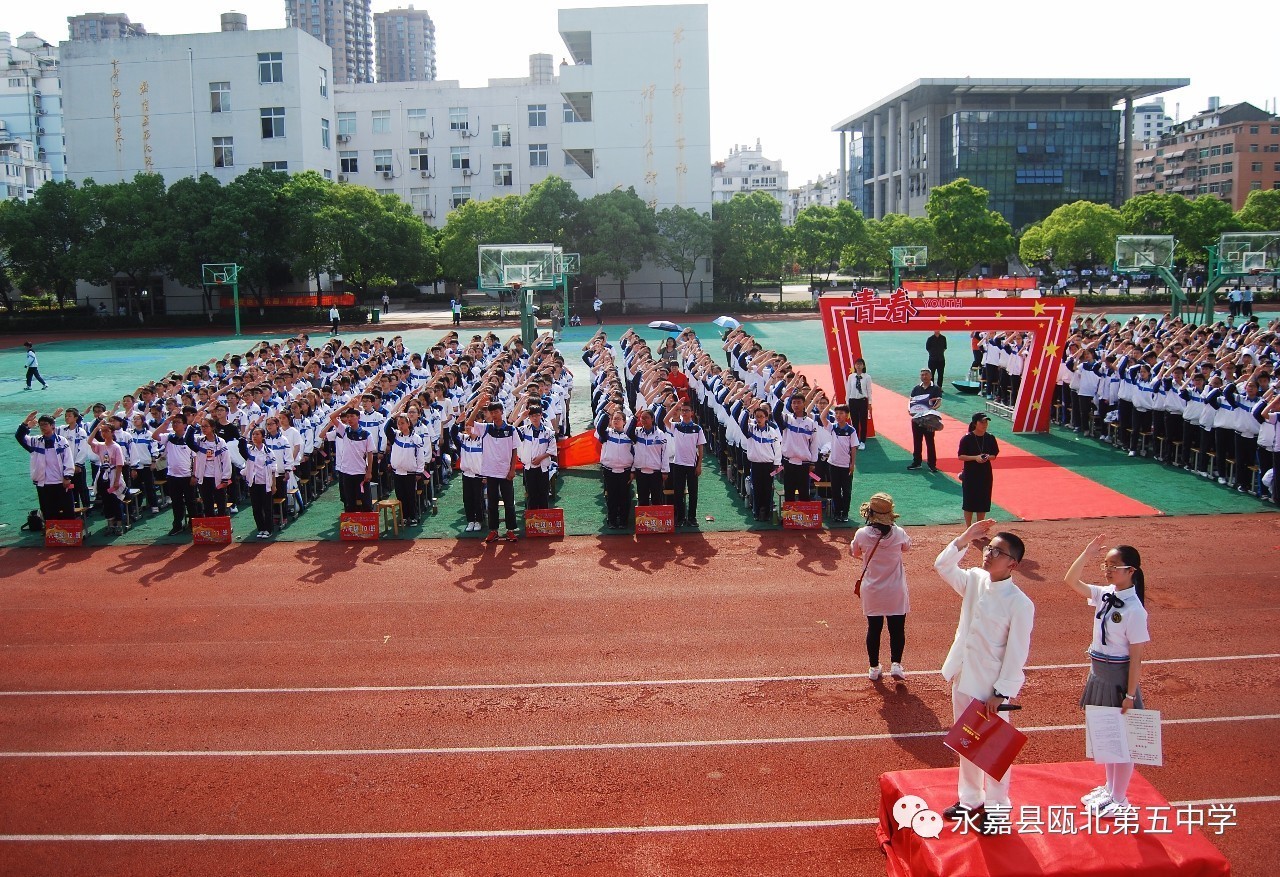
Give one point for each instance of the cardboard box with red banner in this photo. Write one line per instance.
(985, 739)
(544, 522)
(211, 531)
(655, 519)
(359, 527)
(797, 515)
(64, 534)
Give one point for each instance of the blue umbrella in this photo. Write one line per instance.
(664, 325)
(726, 322)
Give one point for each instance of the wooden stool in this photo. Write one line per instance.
(304, 487)
(391, 514)
(277, 512)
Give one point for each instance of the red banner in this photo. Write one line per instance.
(211, 531)
(64, 534)
(805, 515)
(985, 739)
(359, 527)
(544, 522)
(969, 284)
(282, 300)
(652, 519)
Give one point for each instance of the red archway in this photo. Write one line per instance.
(1047, 319)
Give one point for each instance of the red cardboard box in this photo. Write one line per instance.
(544, 522)
(64, 534)
(985, 739)
(359, 527)
(805, 515)
(211, 531)
(655, 519)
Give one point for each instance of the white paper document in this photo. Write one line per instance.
(1112, 737)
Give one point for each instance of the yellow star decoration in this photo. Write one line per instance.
(1035, 371)
(835, 330)
(942, 318)
(968, 322)
(1038, 308)
(1035, 406)
(1051, 350)
(999, 314)
(1042, 325)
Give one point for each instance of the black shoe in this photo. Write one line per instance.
(933, 469)
(176, 529)
(913, 467)
(959, 811)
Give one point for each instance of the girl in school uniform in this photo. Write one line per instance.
(1119, 639)
(261, 464)
(883, 583)
(111, 484)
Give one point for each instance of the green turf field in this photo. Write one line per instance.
(91, 368)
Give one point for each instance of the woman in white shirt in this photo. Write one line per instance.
(883, 583)
(1119, 639)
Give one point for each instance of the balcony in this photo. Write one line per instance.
(576, 79)
(581, 103)
(579, 45)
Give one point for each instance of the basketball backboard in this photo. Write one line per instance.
(533, 266)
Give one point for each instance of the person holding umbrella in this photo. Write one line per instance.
(977, 450)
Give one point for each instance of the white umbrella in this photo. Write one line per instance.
(664, 325)
(726, 322)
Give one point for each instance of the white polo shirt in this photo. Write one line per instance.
(1125, 625)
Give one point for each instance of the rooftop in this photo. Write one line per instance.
(930, 91)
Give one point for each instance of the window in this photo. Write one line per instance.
(1228, 148)
(1275, 129)
(570, 116)
(382, 161)
(1228, 167)
(416, 120)
(418, 160)
(502, 175)
(1273, 147)
(219, 97)
(420, 199)
(222, 152)
(1202, 189)
(459, 119)
(460, 157)
(328, 174)
(324, 82)
(1277, 166)
(568, 161)
(1253, 129)
(1204, 153)
(1215, 150)
(538, 155)
(270, 67)
(324, 133)
(1255, 166)
(385, 191)
(1253, 147)
(502, 135)
(16, 83)
(1255, 185)
(272, 122)
(346, 124)
(281, 166)
(348, 162)
(461, 195)
(1215, 168)
(382, 121)
(537, 115)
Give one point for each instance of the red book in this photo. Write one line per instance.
(985, 739)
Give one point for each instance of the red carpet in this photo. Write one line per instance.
(1068, 842)
(1027, 485)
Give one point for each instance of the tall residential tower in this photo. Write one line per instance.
(406, 45)
(346, 26)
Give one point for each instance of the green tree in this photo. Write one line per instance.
(815, 240)
(308, 203)
(548, 214)
(252, 228)
(1207, 218)
(379, 241)
(870, 254)
(747, 240)
(1080, 233)
(616, 232)
(684, 237)
(43, 238)
(474, 223)
(966, 230)
(1154, 213)
(198, 231)
(1261, 211)
(129, 222)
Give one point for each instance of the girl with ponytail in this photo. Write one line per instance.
(1119, 637)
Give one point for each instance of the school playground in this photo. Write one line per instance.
(694, 704)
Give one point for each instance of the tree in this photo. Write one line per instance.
(1207, 218)
(871, 254)
(252, 228)
(1080, 233)
(471, 224)
(548, 214)
(311, 239)
(966, 230)
(747, 239)
(43, 237)
(1261, 211)
(1154, 213)
(815, 240)
(684, 237)
(616, 232)
(378, 239)
(128, 224)
(198, 231)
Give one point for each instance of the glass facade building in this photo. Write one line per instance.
(1033, 161)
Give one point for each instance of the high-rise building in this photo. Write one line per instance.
(406, 41)
(1149, 123)
(93, 26)
(346, 26)
(31, 142)
(1034, 144)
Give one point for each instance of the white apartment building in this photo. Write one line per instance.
(748, 170)
(30, 116)
(185, 105)
(825, 191)
(1150, 122)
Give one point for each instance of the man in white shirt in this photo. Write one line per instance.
(925, 399)
(986, 660)
(33, 368)
(353, 458)
(687, 441)
(334, 318)
(498, 455)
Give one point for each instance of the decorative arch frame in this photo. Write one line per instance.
(1048, 320)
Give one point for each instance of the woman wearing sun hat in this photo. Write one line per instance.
(882, 584)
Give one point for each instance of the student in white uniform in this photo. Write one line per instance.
(353, 458)
(409, 461)
(497, 464)
(986, 660)
(1120, 636)
(616, 460)
(52, 465)
(537, 449)
(687, 441)
(261, 464)
(763, 444)
(858, 396)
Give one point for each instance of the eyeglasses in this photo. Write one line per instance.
(991, 549)
(1108, 567)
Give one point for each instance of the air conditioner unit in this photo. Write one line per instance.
(423, 174)
(40, 132)
(428, 214)
(342, 178)
(343, 138)
(468, 172)
(423, 135)
(386, 175)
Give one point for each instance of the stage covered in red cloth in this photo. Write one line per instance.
(1048, 830)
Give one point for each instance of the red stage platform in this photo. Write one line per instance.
(1049, 832)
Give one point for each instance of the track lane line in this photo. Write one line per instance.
(615, 683)
(574, 747)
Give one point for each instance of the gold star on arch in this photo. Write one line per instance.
(968, 322)
(1035, 371)
(1035, 406)
(1038, 309)
(942, 318)
(1051, 350)
(999, 314)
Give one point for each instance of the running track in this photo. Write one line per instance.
(599, 706)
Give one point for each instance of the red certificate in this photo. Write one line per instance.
(985, 739)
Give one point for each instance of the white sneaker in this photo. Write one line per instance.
(874, 673)
(1094, 794)
(896, 671)
(1110, 808)
(862, 446)
(1133, 454)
